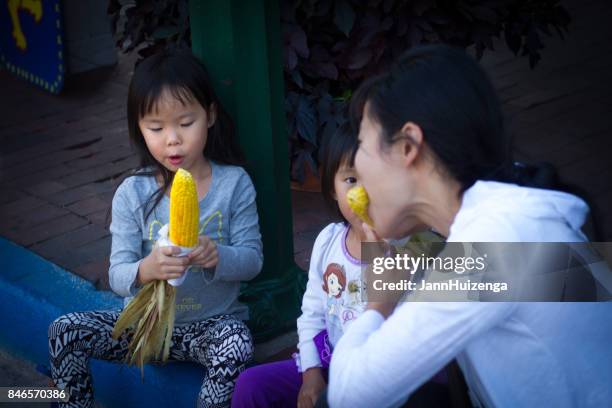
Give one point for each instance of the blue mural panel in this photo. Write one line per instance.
(31, 41)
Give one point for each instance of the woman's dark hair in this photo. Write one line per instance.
(448, 95)
(178, 71)
(336, 150)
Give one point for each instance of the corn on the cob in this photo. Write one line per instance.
(358, 200)
(150, 315)
(184, 211)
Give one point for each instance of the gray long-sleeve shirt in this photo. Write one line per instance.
(228, 215)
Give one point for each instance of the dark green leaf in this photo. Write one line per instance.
(359, 59)
(325, 108)
(290, 58)
(325, 70)
(297, 166)
(297, 78)
(328, 130)
(512, 40)
(298, 41)
(306, 120)
(311, 164)
(344, 16)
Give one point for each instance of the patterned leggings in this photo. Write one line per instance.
(222, 344)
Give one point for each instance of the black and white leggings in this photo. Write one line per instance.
(223, 344)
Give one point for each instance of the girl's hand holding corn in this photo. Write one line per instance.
(162, 264)
(205, 255)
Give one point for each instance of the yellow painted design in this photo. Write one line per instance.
(188, 305)
(34, 7)
(219, 226)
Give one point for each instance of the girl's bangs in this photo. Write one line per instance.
(150, 101)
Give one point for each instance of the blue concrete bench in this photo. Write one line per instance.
(34, 291)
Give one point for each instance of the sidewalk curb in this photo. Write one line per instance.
(34, 292)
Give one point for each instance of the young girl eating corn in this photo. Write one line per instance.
(332, 299)
(175, 122)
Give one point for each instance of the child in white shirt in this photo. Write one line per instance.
(332, 299)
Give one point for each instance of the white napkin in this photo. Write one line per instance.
(164, 241)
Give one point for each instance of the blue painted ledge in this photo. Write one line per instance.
(34, 291)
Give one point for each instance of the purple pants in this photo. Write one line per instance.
(277, 384)
(268, 385)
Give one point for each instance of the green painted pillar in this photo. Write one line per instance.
(240, 43)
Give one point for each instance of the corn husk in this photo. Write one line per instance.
(149, 318)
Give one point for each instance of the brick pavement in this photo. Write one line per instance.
(61, 156)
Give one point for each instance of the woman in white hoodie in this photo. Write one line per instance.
(432, 151)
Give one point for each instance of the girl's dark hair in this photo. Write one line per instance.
(448, 95)
(178, 71)
(335, 151)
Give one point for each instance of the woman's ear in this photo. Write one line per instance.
(411, 142)
(211, 115)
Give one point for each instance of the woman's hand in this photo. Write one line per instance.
(372, 236)
(313, 385)
(160, 264)
(205, 254)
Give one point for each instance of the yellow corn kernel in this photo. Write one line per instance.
(358, 200)
(184, 210)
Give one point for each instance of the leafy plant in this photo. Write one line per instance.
(149, 25)
(330, 46)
